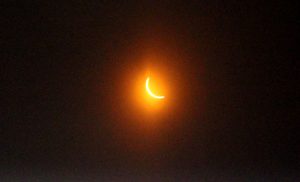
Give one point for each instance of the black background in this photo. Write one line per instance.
(61, 61)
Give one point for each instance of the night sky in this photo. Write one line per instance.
(67, 69)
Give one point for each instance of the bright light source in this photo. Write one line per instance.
(150, 92)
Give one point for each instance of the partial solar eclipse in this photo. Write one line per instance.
(150, 92)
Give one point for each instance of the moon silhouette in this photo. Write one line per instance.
(150, 92)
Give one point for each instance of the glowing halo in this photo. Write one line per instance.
(150, 92)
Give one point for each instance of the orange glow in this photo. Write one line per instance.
(150, 92)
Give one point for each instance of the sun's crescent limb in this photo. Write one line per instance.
(150, 92)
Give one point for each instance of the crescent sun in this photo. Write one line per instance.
(150, 92)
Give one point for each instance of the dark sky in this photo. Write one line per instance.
(65, 64)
